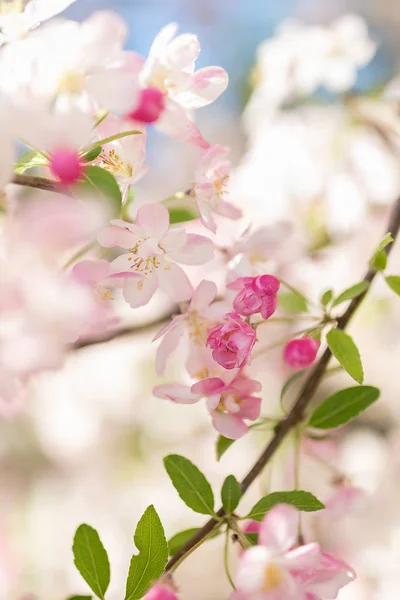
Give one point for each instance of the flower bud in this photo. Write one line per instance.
(151, 105)
(66, 165)
(256, 295)
(301, 353)
(160, 592)
(232, 342)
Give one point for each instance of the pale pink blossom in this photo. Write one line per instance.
(230, 401)
(170, 69)
(201, 315)
(277, 570)
(123, 157)
(210, 187)
(153, 249)
(161, 592)
(256, 295)
(232, 342)
(301, 353)
(345, 500)
(19, 17)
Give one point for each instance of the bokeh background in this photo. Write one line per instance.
(89, 447)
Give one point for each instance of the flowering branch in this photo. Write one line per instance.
(296, 414)
(40, 183)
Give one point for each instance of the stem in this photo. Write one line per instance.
(226, 558)
(261, 351)
(41, 183)
(304, 397)
(242, 539)
(297, 460)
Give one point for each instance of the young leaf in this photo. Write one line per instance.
(223, 444)
(149, 564)
(190, 483)
(346, 352)
(99, 182)
(91, 154)
(351, 292)
(379, 260)
(117, 136)
(289, 382)
(393, 282)
(388, 239)
(326, 297)
(80, 598)
(181, 215)
(230, 494)
(91, 559)
(304, 501)
(292, 302)
(179, 539)
(29, 160)
(343, 406)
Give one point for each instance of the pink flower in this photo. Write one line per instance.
(276, 570)
(211, 179)
(232, 342)
(301, 353)
(170, 69)
(152, 249)
(344, 501)
(66, 165)
(151, 105)
(229, 402)
(161, 592)
(201, 315)
(256, 295)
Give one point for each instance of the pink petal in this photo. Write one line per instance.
(203, 295)
(182, 52)
(168, 345)
(228, 425)
(226, 209)
(176, 392)
(197, 250)
(206, 215)
(279, 528)
(250, 408)
(206, 86)
(332, 575)
(175, 122)
(207, 387)
(303, 557)
(113, 236)
(153, 219)
(139, 292)
(91, 271)
(174, 282)
(175, 322)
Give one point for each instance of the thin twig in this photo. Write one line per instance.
(296, 414)
(41, 183)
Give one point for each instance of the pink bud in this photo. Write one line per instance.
(232, 342)
(151, 105)
(256, 295)
(301, 353)
(66, 165)
(160, 592)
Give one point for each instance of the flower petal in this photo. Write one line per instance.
(175, 322)
(230, 426)
(138, 292)
(153, 219)
(169, 343)
(174, 282)
(209, 386)
(197, 250)
(279, 528)
(114, 236)
(203, 295)
(176, 392)
(175, 122)
(206, 86)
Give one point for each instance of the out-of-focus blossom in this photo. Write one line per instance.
(169, 68)
(201, 315)
(17, 17)
(277, 570)
(256, 295)
(161, 592)
(123, 157)
(301, 353)
(153, 249)
(230, 400)
(151, 104)
(344, 501)
(209, 188)
(232, 342)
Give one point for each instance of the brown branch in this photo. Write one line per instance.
(40, 183)
(296, 415)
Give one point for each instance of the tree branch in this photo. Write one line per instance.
(40, 183)
(296, 414)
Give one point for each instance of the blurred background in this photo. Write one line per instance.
(89, 447)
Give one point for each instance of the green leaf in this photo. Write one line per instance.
(223, 444)
(116, 136)
(80, 598)
(91, 154)
(388, 239)
(252, 538)
(99, 182)
(181, 215)
(29, 160)
(91, 559)
(291, 380)
(230, 494)
(127, 204)
(393, 282)
(379, 261)
(179, 539)
(149, 564)
(343, 406)
(190, 483)
(326, 297)
(346, 353)
(292, 302)
(304, 501)
(351, 292)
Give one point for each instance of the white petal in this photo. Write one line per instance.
(206, 86)
(279, 529)
(197, 250)
(139, 292)
(153, 219)
(203, 295)
(168, 344)
(173, 281)
(176, 392)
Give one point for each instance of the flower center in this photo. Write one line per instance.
(11, 6)
(198, 328)
(143, 265)
(112, 162)
(72, 82)
(273, 577)
(220, 185)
